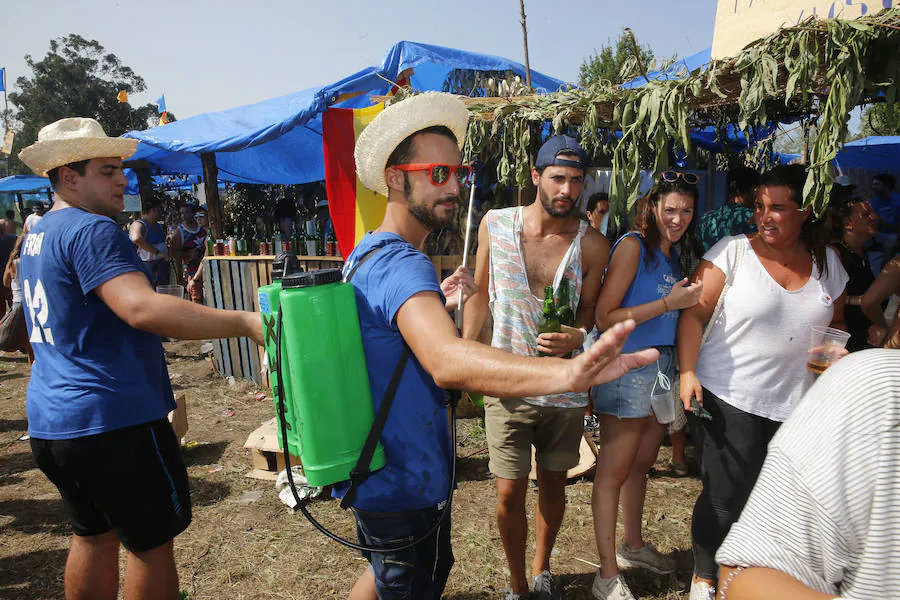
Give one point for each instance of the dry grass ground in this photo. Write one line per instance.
(240, 548)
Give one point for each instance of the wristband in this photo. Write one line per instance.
(665, 304)
(583, 334)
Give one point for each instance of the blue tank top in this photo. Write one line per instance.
(651, 282)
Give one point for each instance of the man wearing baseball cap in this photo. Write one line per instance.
(411, 154)
(99, 391)
(521, 252)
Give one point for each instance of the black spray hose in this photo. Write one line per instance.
(301, 504)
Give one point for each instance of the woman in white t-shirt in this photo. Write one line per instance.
(751, 371)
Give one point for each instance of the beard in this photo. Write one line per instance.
(547, 203)
(424, 213)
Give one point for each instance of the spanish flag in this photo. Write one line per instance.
(354, 208)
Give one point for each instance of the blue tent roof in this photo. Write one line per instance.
(875, 153)
(690, 64)
(24, 183)
(280, 140)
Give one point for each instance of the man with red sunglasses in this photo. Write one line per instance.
(411, 154)
(522, 251)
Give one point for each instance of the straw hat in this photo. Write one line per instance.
(399, 121)
(71, 140)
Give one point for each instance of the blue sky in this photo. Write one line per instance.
(207, 55)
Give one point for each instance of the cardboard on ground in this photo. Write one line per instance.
(739, 22)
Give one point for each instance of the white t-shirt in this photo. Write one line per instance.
(755, 356)
(31, 220)
(826, 506)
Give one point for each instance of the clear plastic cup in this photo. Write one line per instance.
(826, 345)
(171, 290)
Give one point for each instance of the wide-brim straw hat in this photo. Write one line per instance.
(72, 140)
(397, 122)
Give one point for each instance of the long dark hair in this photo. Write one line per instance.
(645, 223)
(11, 261)
(814, 233)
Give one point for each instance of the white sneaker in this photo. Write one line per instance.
(700, 590)
(612, 588)
(645, 557)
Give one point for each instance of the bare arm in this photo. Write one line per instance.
(477, 307)
(9, 273)
(138, 235)
(690, 329)
(133, 300)
(887, 283)
(623, 267)
(455, 363)
(760, 583)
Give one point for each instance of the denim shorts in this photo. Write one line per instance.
(419, 572)
(628, 397)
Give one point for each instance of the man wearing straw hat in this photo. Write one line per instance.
(411, 154)
(99, 391)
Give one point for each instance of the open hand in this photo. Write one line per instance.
(603, 361)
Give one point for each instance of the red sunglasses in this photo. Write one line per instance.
(439, 173)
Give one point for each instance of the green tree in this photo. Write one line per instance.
(608, 62)
(77, 78)
(881, 119)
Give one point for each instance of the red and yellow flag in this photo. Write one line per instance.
(354, 208)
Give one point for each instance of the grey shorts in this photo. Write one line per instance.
(513, 426)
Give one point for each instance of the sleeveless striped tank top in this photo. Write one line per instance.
(515, 310)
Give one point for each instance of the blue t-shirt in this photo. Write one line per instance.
(651, 282)
(416, 436)
(92, 371)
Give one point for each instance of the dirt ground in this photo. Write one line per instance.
(240, 547)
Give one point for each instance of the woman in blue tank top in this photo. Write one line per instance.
(644, 282)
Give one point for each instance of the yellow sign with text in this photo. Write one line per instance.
(739, 22)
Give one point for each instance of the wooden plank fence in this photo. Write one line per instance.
(231, 282)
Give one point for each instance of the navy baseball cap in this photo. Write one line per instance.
(549, 153)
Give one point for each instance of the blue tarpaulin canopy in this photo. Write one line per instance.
(280, 140)
(23, 184)
(875, 153)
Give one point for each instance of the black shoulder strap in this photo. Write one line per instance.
(362, 471)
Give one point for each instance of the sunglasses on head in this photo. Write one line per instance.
(672, 177)
(439, 173)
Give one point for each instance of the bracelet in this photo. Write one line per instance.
(728, 581)
(583, 334)
(665, 305)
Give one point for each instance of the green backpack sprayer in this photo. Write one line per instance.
(320, 385)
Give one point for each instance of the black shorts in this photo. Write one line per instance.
(131, 481)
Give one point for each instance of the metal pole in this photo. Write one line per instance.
(466, 246)
(525, 41)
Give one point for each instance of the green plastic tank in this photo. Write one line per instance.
(324, 372)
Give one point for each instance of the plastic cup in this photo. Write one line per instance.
(825, 346)
(171, 290)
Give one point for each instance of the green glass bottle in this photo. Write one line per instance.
(549, 322)
(564, 309)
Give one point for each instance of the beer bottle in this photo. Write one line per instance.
(564, 309)
(549, 322)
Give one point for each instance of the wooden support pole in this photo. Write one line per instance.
(145, 186)
(211, 183)
(525, 42)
